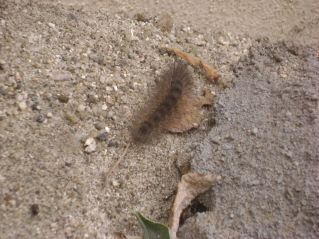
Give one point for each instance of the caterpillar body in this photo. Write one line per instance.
(164, 104)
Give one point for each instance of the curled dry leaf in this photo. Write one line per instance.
(208, 99)
(191, 185)
(188, 115)
(211, 72)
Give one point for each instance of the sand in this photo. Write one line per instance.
(70, 81)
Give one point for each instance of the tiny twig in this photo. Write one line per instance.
(117, 163)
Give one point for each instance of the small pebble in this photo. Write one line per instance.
(110, 114)
(2, 92)
(108, 89)
(255, 131)
(115, 183)
(98, 126)
(255, 182)
(53, 226)
(22, 105)
(10, 110)
(199, 42)
(289, 154)
(89, 141)
(165, 22)
(50, 24)
(109, 81)
(222, 41)
(104, 107)
(18, 76)
(73, 118)
(71, 16)
(61, 77)
(19, 97)
(35, 107)
(84, 138)
(80, 108)
(12, 203)
(107, 129)
(49, 114)
(141, 17)
(91, 148)
(288, 114)
(63, 98)
(162, 51)
(112, 144)
(93, 99)
(102, 137)
(41, 118)
(102, 79)
(91, 145)
(34, 209)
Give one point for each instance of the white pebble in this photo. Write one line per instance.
(289, 154)
(115, 183)
(91, 148)
(102, 79)
(104, 107)
(110, 114)
(89, 141)
(22, 105)
(81, 108)
(51, 25)
(18, 76)
(19, 97)
(53, 226)
(107, 129)
(49, 114)
(12, 203)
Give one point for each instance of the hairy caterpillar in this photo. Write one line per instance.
(163, 105)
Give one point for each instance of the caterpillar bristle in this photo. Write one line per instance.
(176, 81)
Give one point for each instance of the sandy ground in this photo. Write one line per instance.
(292, 20)
(69, 74)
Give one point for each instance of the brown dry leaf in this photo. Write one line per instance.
(208, 99)
(187, 57)
(188, 115)
(191, 185)
(211, 72)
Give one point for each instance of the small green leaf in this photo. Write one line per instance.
(152, 230)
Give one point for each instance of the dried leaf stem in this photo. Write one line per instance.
(117, 163)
